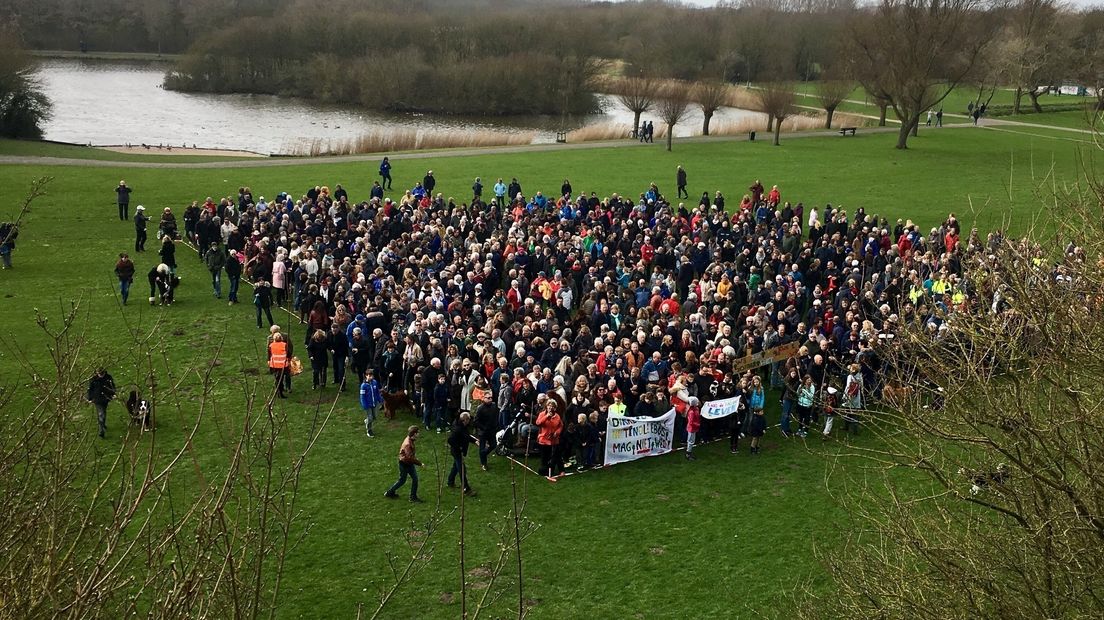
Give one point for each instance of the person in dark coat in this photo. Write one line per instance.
(124, 270)
(101, 391)
(262, 299)
(428, 182)
(140, 221)
(123, 198)
(318, 350)
(339, 347)
(458, 440)
(486, 425)
(162, 282)
(385, 173)
(233, 275)
(8, 234)
(680, 181)
(168, 253)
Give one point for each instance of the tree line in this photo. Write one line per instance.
(501, 57)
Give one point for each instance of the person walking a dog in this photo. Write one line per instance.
(101, 391)
(408, 466)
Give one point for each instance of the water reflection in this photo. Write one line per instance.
(122, 102)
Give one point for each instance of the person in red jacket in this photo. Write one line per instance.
(693, 423)
(647, 251)
(774, 197)
(551, 426)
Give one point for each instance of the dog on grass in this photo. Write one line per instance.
(140, 410)
(393, 401)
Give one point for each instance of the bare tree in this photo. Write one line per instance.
(776, 100)
(1088, 48)
(831, 93)
(913, 53)
(710, 95)
(673, 105)
(140, 527)
(990, 501)
(1033, 50)
(638, 94)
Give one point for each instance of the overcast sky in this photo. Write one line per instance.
(1077, 3)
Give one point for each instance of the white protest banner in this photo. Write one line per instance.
(715, 409)
(628, 439)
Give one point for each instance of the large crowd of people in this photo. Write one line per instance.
(543, 315)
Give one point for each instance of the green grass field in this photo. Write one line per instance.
(957, 101)
(726, 536)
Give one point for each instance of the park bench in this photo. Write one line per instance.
(561, 137)
(847, 130)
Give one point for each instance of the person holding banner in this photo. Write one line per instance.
(551, 427)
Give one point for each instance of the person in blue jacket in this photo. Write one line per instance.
(371, 397)
(385, 173)
(360, 321)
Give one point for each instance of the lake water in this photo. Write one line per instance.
(122, 102)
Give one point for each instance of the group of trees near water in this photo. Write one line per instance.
(23, 107)
(502, 57)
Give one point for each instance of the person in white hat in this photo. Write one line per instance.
(140, 220)
(123, 198)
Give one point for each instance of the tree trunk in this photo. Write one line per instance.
(1016, 101)
(882, 114)
(831, 111)
(777, 131)
(670, 134)
(705, 123)
(770, 122)
(915, 129)
(1034, 94)
(906, 129)
(636, 123)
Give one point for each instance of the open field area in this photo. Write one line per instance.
(726, 536)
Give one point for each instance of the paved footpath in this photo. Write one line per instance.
(459, 152)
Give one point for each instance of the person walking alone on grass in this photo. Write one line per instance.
(370, 398)
(459, 440)
(215, 258)
(262, 299)
(680, 181)
(8, 234)
(408, 466)
(140, 221)
(124, 270)
(385, 176)
(101, 391)
(123, 198)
